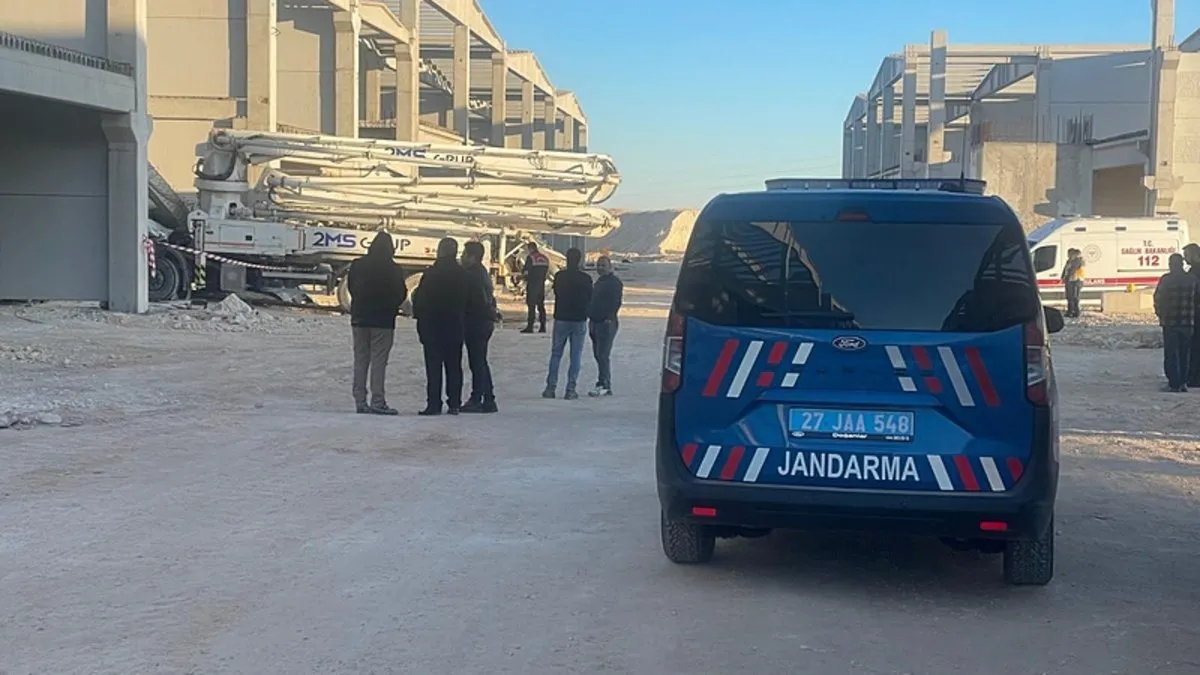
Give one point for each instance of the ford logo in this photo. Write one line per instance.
(849, 343)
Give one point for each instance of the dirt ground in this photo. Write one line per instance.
(189, 492)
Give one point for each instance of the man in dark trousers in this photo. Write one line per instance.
(572, 295)
(1175, 301)
(377, 290)
(1072, 277)
(439, 306)
(602, 323)
(481, 315)
(536, 267)
(1191, 255)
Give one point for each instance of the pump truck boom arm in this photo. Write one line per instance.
(402, 186)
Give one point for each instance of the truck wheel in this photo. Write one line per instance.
(165, 281)
(1030, 563)
(685, 542)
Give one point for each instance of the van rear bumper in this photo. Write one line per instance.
(1026, 509)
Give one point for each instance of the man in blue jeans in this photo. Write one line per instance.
(1175, 301)
(572, 295)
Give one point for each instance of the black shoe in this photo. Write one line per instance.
(542, 329)
(529, 330)
(362, 409)
(431, 411)
(454, 410)
(472, 406)
(383, 410)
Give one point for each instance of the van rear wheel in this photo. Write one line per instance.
(685, 542)
(1030, 562)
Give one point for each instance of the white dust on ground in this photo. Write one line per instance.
(211, 504)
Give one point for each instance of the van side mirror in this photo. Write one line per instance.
(1054, 320)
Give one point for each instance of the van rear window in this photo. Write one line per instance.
(864, 275)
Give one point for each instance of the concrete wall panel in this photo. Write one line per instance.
(75, 24)
(53, 202)
(198, 48)
(1113, 89)
(306, 68)
(173, 149)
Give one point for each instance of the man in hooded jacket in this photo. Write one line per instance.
(439, 306)
(377, 291)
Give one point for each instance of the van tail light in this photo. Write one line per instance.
(1037, 361)
(672, 367)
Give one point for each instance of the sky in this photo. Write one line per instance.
(696, 97)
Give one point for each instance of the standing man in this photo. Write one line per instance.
(481, 315)
(537, 266)
(1191, 255)
(377, 290)
(572, 295)
(602, 323)
(1175, 304)
(1072, 277)
(439, 306)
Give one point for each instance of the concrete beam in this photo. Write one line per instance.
(527, 67)
(581, 138)
(890, 70)
(379, 18)
(1004, 75)
(858, 110)
(499, 99)
(568, 102)
(372, 94)
(935, 150)
(347, 27)
(262, 65)
(1162, 34)
(567, 135)
(468, 13)
(31, 74)
(462, 81)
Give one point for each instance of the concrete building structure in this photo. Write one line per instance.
(1054, 129)
(95, 91)
(73, 196)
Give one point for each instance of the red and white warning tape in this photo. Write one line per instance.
(202, 257)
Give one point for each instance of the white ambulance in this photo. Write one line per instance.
(1117, 252)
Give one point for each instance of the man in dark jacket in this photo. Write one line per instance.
(602, 323)
(1175, 304)
(1191, 255)
(572, 295)
(377, 290)
(439, 306)
(536, 267)
(481, 315)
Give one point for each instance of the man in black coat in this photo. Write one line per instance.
(377, 290)
(602, 323)
(439, 306)
(1191, 255)
(1175, 301)
(572, 295)
(537, 267)
(481, 315)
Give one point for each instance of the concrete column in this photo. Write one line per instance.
(408, 75)
(499, 99)
(847, 151)
(568, 134)
(527, 103)
(262, 65)
(935, 153)
(860, 148)
(908, 115)
(581, 138)
(373, 95)
(874, 138)
(347, 27)
(1162, 33)
(128, 181)
(549, 122)
(462, 81)
(1161, 180)
(887, 149)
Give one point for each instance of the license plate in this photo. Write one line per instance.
(855, 425)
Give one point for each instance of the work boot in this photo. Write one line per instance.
(548, 393)
(488, 406)
(362, 408)
(383, 409)
(571, 395)
(431, 411)
(529, 329)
